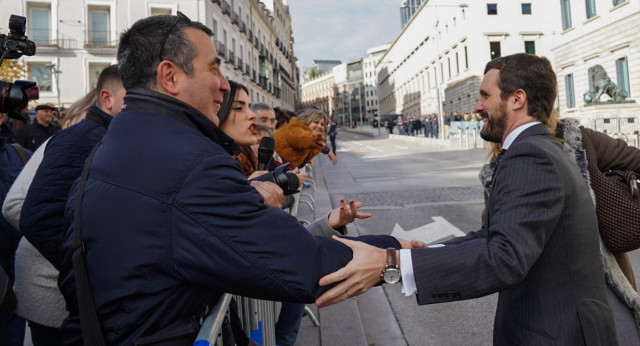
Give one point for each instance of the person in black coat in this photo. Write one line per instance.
(32, 135)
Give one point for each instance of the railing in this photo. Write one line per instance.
(239, 64)
(232, 57)
(42, 37)
(216, 2)
(258, 317)
(226, 9)
(234, 18)
(246, 69)
(625, 128)
(250, 35)
(221, 49)
(255, 78)
(242, 27)
(99, 39)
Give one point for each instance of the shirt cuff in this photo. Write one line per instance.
(406, 270)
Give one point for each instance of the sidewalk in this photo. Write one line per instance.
(460, 141)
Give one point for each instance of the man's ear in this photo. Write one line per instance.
(167, 77)
(518, 99)
(107, 98)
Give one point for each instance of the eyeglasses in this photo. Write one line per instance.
(179, 16)
(267, 120)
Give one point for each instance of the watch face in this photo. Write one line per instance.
(391, 275)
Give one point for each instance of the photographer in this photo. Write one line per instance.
(168, 219)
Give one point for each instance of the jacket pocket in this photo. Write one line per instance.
(519, 333)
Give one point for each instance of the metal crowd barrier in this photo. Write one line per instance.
(258, 317)
(468, 132)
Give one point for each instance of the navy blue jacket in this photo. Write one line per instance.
(10, 167)
(42, 216)
(169, 221)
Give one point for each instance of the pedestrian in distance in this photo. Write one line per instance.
(33, 135)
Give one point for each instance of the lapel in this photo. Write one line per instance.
(535, 130)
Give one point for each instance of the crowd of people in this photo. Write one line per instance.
(126, 225)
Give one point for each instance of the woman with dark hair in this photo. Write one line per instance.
(238, 121)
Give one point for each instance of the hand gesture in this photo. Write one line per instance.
(346, 214)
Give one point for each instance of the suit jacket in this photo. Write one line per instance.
(538, 247)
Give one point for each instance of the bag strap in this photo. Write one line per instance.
(89, 322)
(21, 152)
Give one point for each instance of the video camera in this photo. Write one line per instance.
(15, 96)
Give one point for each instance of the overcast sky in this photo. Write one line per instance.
(342, 29)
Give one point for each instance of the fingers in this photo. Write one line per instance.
(417, 244)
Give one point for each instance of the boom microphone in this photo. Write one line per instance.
(265, 152)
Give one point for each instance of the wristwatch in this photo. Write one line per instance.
(391, 273)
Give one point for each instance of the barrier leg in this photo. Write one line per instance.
(312, 317)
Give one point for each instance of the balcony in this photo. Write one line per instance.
(256, 42)
(221, 49)
(263, 82)
(247, 71)
(255, 77)
(242, 27)
(284, 72)
(261, 49)
(276, 92)
(250, 35)
(216, 2)
(226, 9)
(239, 64)
(232, 57)
(234, 18)
(100, 41)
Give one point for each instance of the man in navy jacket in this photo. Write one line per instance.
(168, 218)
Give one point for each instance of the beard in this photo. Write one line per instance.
(495, 126)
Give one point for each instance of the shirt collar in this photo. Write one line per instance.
(515, 133)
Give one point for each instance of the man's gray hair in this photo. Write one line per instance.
(255, 107)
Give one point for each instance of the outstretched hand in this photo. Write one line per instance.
(346, 214)
(357, 277)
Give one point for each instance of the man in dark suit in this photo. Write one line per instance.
(538, 246)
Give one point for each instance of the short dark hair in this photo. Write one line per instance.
(109, 79)
(531, 73)
(259, 106)
(139, 50)
(225, 107)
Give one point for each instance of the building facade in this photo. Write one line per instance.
(77, 39)
(319, 93)
(605, 33)
(407, 9)
(436, 63)
(371, 78)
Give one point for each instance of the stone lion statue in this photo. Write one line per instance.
(602, 84)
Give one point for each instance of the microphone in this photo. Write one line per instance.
(265, 152)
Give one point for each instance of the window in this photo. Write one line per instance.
(622, 74)
(492, 9)
(155, 11)
(457, 64)
(530, 47)
(449, 66)
(40, 24)
(590, 78)
(466, 59)
(568, 83)
(526, 8)
(41, 74)
(494, 47)
(94, 72)
(565, 9)
(441, 73)
(98, 26)
(618, 2)
(590, 6)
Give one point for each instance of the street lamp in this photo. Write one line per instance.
(54, 70)
(440, 115)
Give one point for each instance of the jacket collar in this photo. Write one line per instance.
(98, 115)
(149, 101)
(535, 130)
